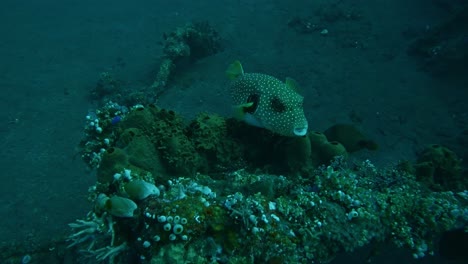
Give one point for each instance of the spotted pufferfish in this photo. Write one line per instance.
(262, 100)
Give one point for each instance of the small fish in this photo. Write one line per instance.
(262, 100)
(116, 119)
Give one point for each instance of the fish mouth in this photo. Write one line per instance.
(300, 131)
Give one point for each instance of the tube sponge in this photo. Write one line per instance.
(316, 139)
(329, 150)
(350, 137)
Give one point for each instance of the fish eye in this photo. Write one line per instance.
(255, 99)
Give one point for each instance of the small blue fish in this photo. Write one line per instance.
(115, 120)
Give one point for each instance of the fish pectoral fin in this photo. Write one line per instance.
(239, 110)
(293, 85)
(234, 70)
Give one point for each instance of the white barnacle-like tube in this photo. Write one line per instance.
(167, 227)
(178, 229)
(353, 214)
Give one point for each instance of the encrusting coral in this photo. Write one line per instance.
(223, 182)
(185, 45)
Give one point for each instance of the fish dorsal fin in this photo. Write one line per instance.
(293, 85)
(234, 70)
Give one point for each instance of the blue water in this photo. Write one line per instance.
(52, 53)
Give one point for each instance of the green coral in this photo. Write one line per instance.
(143, 154)
(140, 117)
(180, 154)
(156, 140)
(126, 136)
(207, 131)
(113, 161)
(177, 150)
(185, 45)
(209, 134)
(346, 210)
(309, 216)
(440, 168)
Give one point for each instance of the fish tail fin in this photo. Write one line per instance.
(234, 70)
